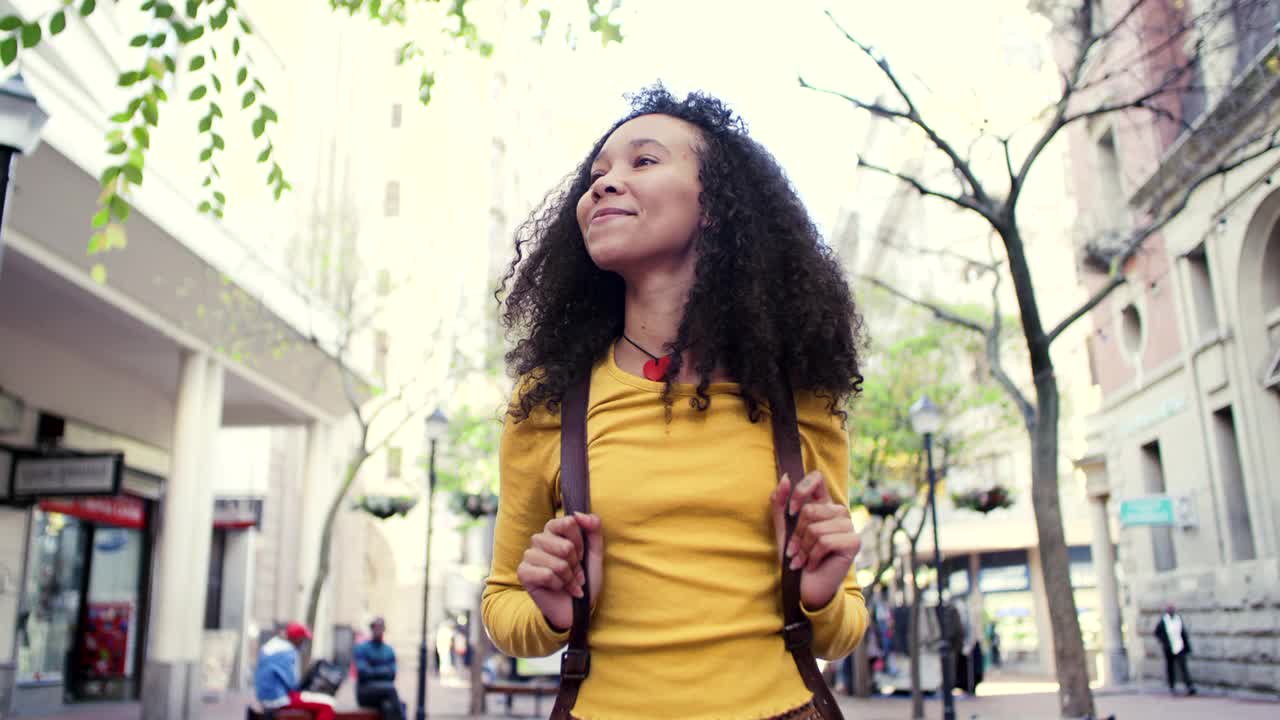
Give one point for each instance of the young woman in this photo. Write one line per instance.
(681, 274)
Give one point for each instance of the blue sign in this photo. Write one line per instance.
(1148, 511)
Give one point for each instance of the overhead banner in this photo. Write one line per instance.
(74, 475)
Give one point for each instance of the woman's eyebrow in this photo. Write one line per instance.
(637, 143)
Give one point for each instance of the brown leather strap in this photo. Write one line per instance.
(797, 631)
(575, 495)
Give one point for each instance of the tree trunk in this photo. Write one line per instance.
(326, 545)
(1074, 696)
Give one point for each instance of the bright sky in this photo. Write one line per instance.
(751, 53)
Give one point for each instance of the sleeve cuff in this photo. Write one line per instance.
(560, 637)
(831, 612)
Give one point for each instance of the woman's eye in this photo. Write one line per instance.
(645, 161)
(596, 175)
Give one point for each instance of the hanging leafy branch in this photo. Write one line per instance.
(210, 25)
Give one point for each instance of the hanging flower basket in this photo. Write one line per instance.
(474, 505)
(384, 506)
(883, 500)
(983, 501)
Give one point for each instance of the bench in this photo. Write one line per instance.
(537, 688)
(338, 714)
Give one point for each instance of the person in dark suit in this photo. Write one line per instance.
(1171, 631)
(376, 674)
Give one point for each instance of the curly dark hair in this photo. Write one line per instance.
(768, 297)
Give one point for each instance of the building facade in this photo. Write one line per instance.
(1182, 455)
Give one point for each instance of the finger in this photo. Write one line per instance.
(780, 493)
(807, 491)
(567, 528)
(555, 545)
(842, 544)
(557, 565)
(811, 515)
(534, 577)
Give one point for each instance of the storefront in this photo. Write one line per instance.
(81, 621)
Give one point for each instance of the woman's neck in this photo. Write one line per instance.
(654, 310)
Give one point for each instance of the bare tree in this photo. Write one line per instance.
(1142, 61)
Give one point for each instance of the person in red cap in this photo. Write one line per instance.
(276, 680)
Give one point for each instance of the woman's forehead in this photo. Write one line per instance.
(675, 134)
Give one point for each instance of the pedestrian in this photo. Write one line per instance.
(276, 682)
(1171, 631)
(993, 640)
(376, 674)
(681, 277)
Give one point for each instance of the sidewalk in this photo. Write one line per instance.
(1004, 699)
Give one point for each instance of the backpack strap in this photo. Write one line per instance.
(575, 496)
(797, 631)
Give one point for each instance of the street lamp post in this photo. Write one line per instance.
(21, 120)
(926, 419)
(437, 426)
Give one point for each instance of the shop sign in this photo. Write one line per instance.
(41, 476)
(121, 510)
(1148, 511)
(237, 513)
(1009, 578)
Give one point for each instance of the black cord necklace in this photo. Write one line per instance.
(655, 368)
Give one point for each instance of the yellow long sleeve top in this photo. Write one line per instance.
(688, 620)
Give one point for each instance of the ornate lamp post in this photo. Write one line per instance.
(926, 419)
(21, 120)
(437, 428)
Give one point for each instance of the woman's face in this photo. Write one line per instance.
(642, 208)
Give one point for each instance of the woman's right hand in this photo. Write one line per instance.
(551, 570)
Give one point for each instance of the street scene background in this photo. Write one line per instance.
(251, 368)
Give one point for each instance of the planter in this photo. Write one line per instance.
(983, 501)
(384, 506)
(883, 501)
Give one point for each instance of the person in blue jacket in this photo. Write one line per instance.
(275, 681)
(376, 674)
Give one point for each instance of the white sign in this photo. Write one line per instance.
(85, 475)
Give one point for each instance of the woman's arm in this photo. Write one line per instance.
(529, 460)
(838, 626)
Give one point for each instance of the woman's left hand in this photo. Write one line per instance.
(824, 543)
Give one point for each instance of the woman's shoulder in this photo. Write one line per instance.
(813, 407)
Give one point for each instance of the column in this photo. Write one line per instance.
(201, 528)
(171, 674)
(1115, 667)
(318, 484)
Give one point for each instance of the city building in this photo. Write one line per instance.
(116, 381)
(1181, 456)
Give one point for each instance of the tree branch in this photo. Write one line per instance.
(938, 311)
(960, 201)
(873, 108)
(913, 115)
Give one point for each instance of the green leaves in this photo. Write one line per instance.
(138, 41)
(8, 49)
(248, 100)
(198, 92)
(142, 136)
(197, 62)
(31, 34)
(9, 23)
(57, 23)
(87, 7)
(127, 78)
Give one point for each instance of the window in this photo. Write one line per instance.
(396, 115)
(1271, 272)
(391, 204)
(1131, 328)
(395, 458)
(51, 604)
(1239, 521)
(1162, 550)
(381, 349)
(213, 589)
(1112, 200)
(1201, 286)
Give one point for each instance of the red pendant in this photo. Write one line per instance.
(656, 370)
